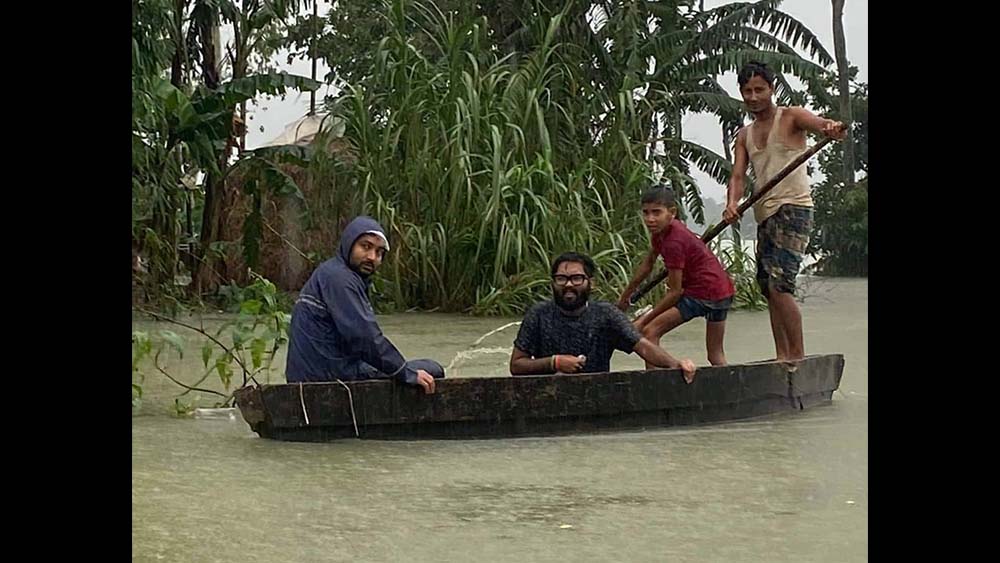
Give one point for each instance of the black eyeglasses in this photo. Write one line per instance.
(577, 279)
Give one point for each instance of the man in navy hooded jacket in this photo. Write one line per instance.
(333, 332)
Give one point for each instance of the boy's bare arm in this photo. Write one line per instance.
(645, 268)
(674, 280)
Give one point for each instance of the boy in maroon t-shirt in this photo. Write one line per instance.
(698, 284)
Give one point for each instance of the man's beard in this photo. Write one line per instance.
(582, 296)
(363, 273)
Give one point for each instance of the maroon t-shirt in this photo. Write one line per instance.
(703, 274)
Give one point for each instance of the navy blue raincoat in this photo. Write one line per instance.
(333, 330)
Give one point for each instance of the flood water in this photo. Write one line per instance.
(785, 488)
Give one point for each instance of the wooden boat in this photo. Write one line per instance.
(497, 407)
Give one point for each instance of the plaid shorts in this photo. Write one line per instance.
(781, 241)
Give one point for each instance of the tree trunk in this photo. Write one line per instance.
(312, 54)
(211, 214)
(843, 78)
(180, 50)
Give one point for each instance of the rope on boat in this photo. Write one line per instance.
(353, 418)
(303, 402)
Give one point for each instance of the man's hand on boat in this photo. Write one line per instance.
(657, 356)
(426, 381)
(689, 369)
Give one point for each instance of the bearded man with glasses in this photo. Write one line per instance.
(570, 334)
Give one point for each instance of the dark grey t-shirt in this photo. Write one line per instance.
(602, 328)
